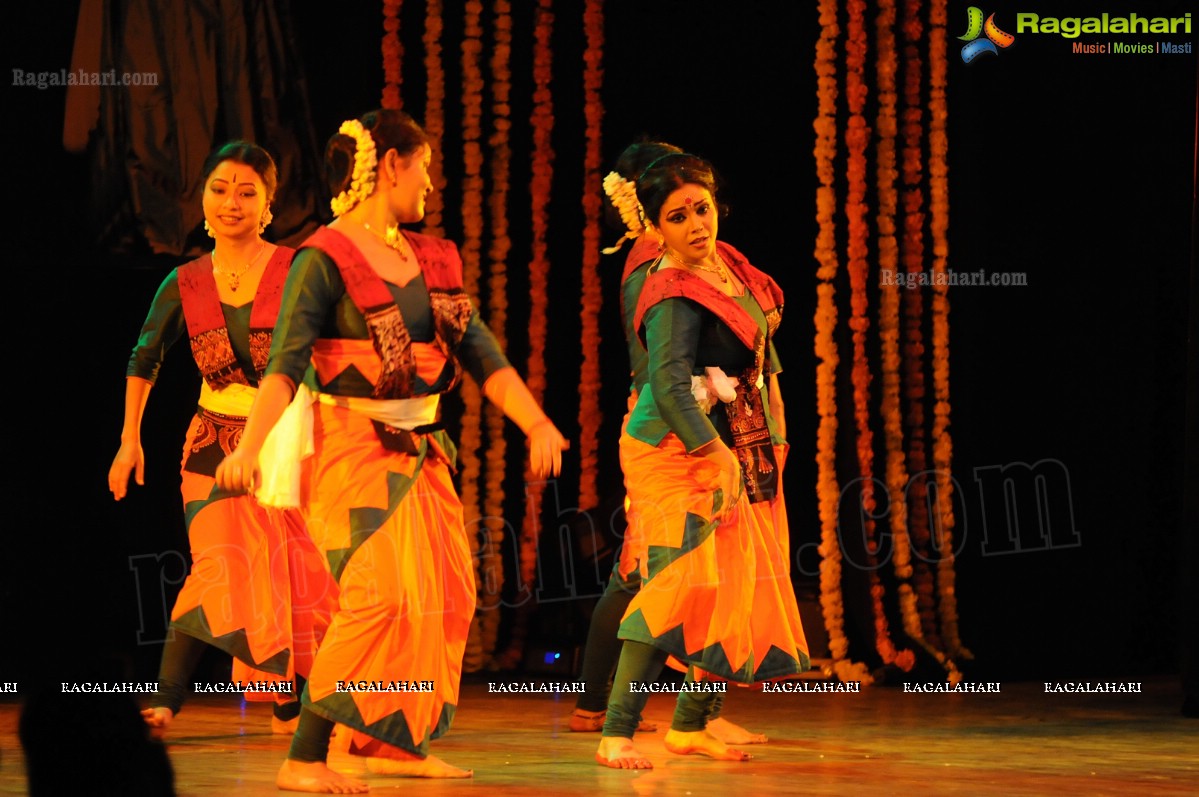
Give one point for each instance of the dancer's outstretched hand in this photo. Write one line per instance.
(546, 445)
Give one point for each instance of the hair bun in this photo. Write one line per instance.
(339, 162)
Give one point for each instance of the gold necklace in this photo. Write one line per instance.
(718, 269)
(234, 279)
(392, 238)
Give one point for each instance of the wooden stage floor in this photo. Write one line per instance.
(878, 742)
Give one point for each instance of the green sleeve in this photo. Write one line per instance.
(313, 286)
(773, 366)
(479, 352)
(630, 293)
(163, 327)
(672, 329)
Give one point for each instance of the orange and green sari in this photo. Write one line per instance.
(379, 499)
(716, 591)
(258, 588)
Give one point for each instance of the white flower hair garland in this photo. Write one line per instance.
(623, 194)
(362, 180)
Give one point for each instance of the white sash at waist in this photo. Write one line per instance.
(290, 441)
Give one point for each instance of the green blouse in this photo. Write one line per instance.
(316, 305)
(165, 325)
(682, 338)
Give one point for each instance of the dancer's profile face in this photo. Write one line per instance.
(688, 222)
(412, 185)
(234, 200)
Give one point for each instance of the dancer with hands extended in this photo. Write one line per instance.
(375, 328)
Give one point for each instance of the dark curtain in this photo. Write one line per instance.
(202, 72)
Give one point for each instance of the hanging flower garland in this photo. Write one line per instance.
(485, 520)
(497, 290)
(434, 114)
(540, 183)
(470, 441)
(896, 471)
(592, 299)
(888, 325)
(827, 489)
(913, 313)
(856, 138)
(938, 169)
(393, 55)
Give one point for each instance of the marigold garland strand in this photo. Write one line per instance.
(896, 471)
(888, 312)
(482, 515)
(434, 115)
(827, 489)
(497, 291)
(938, 168)
(542, 173)
(590, 415)
(856, 138)
(393, 55)
(912, 258)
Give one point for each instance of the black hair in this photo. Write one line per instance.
(629, 165)
(668, 173)
(251, 155)
(390, 129)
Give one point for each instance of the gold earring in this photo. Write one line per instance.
(208, 229)
(267, 218)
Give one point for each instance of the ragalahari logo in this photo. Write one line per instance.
(975, 27)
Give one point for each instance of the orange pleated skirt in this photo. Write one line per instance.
(391, 527)
(716, 588)
(258, 587)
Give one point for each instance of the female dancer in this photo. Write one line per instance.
(603, 646)
(258, 588)
(702, 454)
(375, 327)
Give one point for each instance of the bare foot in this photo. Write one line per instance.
(316, 778)
(618, 752)
(732, 733)
(427, 767)
(159, 719)
(288, 727)
(701, 743)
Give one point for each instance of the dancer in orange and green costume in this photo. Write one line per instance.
(603, 647)
(702, 457)
(258, 589)
(375, 327)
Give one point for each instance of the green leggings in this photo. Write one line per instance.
(642, 663)
(603, 648)
(180, 656)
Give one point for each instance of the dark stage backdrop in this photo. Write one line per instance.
(1075, 170)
